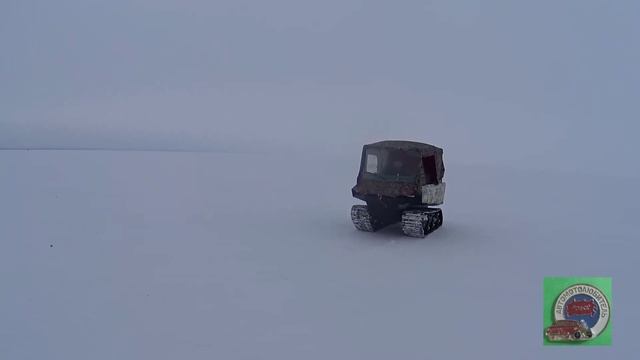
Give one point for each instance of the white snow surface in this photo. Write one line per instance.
(163, 255)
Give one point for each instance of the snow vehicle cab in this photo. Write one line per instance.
(400, 181)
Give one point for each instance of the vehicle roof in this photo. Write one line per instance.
(406, 145)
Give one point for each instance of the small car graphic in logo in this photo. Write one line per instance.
(568, 330)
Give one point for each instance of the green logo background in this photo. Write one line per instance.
(553, 286)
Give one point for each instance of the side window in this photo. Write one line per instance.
(429, 166)
(372, 164)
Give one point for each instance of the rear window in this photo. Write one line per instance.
(372, 164)
(565, 322)
(391, 164)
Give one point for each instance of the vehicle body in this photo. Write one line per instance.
(568, 330)
(399, 181)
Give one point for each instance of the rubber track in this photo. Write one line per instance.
(419, 223)
(361, 218)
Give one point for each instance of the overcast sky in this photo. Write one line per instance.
(547, 82)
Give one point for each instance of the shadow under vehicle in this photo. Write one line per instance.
(400, 181)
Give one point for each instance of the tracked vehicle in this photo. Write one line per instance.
(401, 181)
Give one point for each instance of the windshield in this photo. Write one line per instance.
(391, 164)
